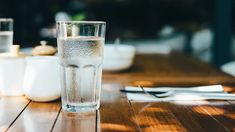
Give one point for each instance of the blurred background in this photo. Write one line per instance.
(202, 28)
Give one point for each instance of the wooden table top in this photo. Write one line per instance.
(120, 115)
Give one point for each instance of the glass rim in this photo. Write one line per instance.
(81, 22)
(6, 19)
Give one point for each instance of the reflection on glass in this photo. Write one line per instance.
(75, 122)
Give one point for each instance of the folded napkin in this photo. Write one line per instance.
(213, 92)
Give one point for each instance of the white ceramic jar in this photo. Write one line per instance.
(41, 80)
(12, 68)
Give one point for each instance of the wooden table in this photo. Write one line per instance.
(117, 114)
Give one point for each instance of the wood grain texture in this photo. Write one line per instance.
(174, 70)
(153, 117)
(10, 108)
(169, 70)
(120, 115)
(37, 117)
(75, 122)
(115, 113)
(194, 117)
(223, 112)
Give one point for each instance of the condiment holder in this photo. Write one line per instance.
(12, 68)
(41, 80)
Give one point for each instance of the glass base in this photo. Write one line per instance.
(72, 108)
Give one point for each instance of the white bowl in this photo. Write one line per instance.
(229, 68)
(118, 58)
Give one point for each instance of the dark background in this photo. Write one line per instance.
(128, 19)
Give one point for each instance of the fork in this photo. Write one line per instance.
(158, 95)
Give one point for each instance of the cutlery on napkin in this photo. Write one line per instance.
(193, 93)
(211, 88)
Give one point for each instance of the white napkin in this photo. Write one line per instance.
(214, 92)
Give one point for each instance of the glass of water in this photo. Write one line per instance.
(80, 49)
(6, 34)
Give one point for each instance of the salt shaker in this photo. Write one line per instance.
(12, 68)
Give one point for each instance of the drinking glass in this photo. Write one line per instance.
(80, 50)
(6, 34)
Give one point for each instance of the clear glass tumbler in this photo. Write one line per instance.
(80, 49)
(6, 34)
